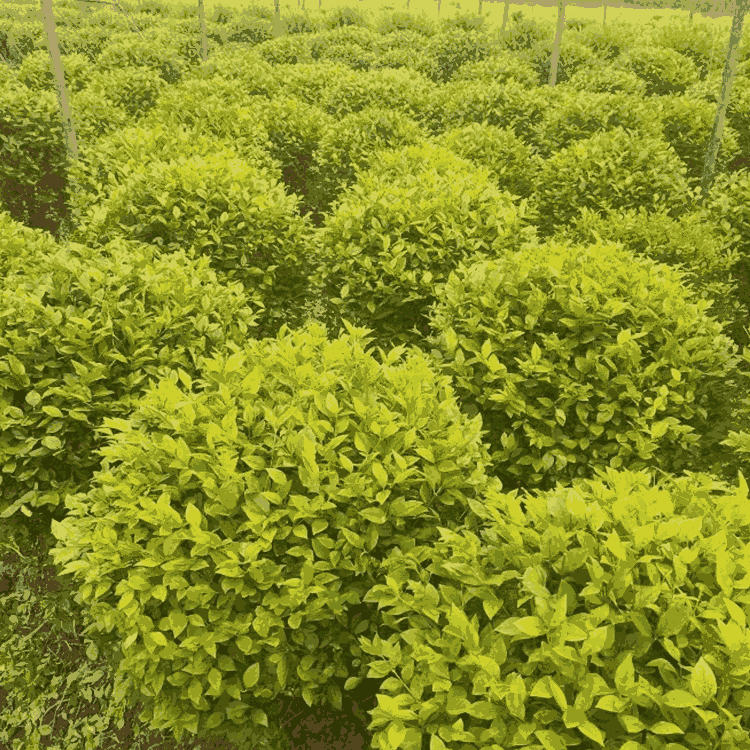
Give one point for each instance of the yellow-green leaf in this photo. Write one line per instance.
(195, 690)
(278, 476)
(193, 515)
(177, 621)
(214, 680)
(33, 398)
(251, 676)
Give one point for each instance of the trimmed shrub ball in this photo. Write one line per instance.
(82, 331)
(402, 228)
(583, 356)
(612, 611)
(239, 516)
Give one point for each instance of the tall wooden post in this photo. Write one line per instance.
(204, 33)
(730, 68)
(53, 45)
(558, 39)
(505, 15)
(278, 29)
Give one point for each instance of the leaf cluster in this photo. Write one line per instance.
(157, 49)
(693, 243)
(607, 78)
(35, 71)
(664, 70)
(510, 103)
(685, 124)
(497, 68)
(406, 91)
(578, 115)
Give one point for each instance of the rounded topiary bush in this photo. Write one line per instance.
(223, 207)
(466, 21)
(694, 243)
(397, 21)
(188, 30)
(349, 54)
(401, 39)
(97, 116)
(610, 170)
(184, 36)
(157, 50)
(452, 47)
(300, 22)
(247, 28)
(36, 71)
(348, 146)
(699, 42)
(218, 107)
(90, 39)
(285, 50)
(107, 163)
(522, 34)
(609, 41)
(511, 163)
(576, 357)
(82, 331)
(579, 115)
(395, 164)
(577, 612)
(363, 38)
(250, 509)
(697, 245)
(347, 16)
(308, 82)
(607, 78)
(498, 68)
(397, 58)
(573, 56)
(242, 67)
(687, 125)
(664, 70)
(397, 234)
(136, 90)
(505, 104)
(406, 91)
